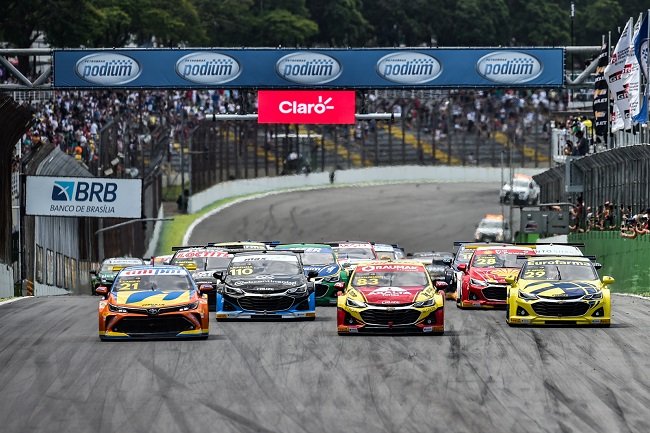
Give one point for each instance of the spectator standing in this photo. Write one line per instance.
(582, 146)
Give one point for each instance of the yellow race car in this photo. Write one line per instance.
(391, 297)
(551, 290)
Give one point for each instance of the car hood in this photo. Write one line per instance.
(152, 298)
(493, 275)
(323, 270)
(273, 284)
(390, 294)
(561, 289)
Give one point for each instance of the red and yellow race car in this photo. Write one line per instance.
(391, 297)
(153, 302)
(483, 283)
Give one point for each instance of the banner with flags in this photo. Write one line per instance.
(632, 75)
(601, 94)
(615, 75)
(640, 41)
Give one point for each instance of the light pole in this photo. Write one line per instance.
(573, 10)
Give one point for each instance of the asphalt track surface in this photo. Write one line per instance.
(480, 376)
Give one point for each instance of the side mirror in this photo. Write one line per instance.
(346, 264)
(101, 290)
(447, 261)
(608, 280)
(93, 272)
(598, 265)
(205, 288)
(218, 275)
(441, 285)
(462, 267)
(312, 274)
(340, 285)
(510, 279)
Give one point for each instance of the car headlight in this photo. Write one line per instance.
(476, 282)
(428, 303)
(355, 304)
(187, 307)
(332, 278)
(527, 296)
(230, 290)
(597, 295)
(300, 290)
(116, 309)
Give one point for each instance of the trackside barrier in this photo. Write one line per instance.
(239, 188)
(624, 259)
(27, 288)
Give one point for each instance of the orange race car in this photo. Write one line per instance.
(153, 302)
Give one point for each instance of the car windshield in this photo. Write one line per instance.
(163, 282)
(264, 265)
(386, 279)
(497, 261)
(491, 224)
(356, 253)
(463, 255)
(521, 183)
(390, 254)
(559, 271)
(439, 261)
(205, 263)
(114, 267)
(318, 258)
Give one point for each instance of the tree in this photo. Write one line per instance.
(172, 23)
(281, 27)
(227, 23)
(340, 23)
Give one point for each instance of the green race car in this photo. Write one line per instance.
(109, 270)
(321, 258)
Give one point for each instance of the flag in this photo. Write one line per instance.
(632, 80)
(601, 94)
(641, 54)
(641, 46)
(615, 75)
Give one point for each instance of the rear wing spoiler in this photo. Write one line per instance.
(459, 243)
(250, 250)
(191, 246)
(568, 244)
(592, 258)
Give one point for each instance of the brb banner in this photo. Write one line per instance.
(84, 197)
(303, 69)
(318, 107)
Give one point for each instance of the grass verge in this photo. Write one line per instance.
(173, 231)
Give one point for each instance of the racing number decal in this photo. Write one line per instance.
(534, 273)
(466, 256)
(485, 260)
(128, 285)
(243, 270)
(367, 281)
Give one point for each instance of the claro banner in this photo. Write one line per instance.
(318, 107)
(84, 197)
(266, 68)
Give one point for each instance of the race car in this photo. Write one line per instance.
(203, 262)
(266, 284)
(391, 297)
(243, 245)
(463, 255)
(109, 269)
(147, 302)
(552, 290)
(493, 228)
(320, 258)
(483, 282)
(522, 190)
(353, 252)
(389, 251)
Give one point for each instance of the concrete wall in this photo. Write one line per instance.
(238, 188)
